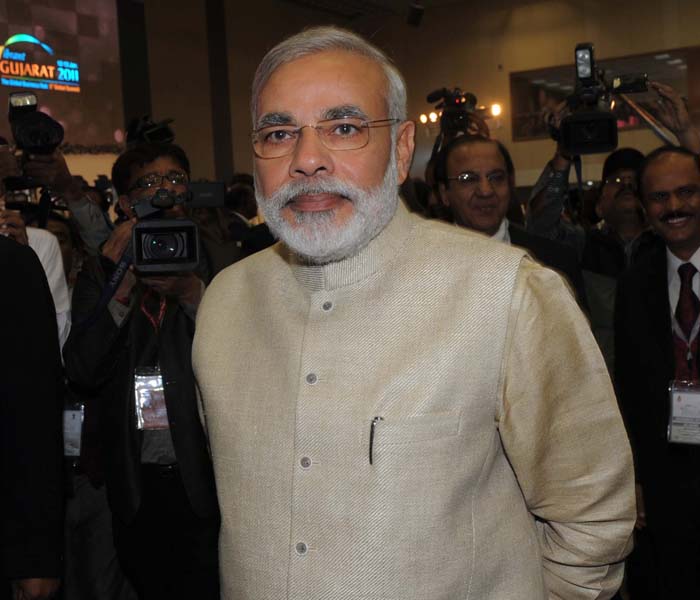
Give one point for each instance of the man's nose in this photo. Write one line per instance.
(485, 187)
(674, 203)
(166, 184)
(310, 156)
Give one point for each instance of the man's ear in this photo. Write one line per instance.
(405, 144)
(442, 193)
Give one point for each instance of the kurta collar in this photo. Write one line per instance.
(375, 255)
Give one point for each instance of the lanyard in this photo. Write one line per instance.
(161, 311)
(693, 336)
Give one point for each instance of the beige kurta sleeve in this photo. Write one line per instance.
(563, 434)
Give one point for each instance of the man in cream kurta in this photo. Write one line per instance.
(397, 409)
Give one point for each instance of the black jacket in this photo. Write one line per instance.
(102, 356)
(555, 255)
(31, 452)
(644, 367)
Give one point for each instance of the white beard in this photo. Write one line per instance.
(315, 237)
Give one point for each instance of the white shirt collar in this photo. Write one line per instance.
(502, 234)
(674, 279)
(673, 262)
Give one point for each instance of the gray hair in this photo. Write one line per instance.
(321, 39)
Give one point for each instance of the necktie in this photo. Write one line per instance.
(688, 306)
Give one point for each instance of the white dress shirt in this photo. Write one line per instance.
(45, 245)
(502, 234)
(674, 279)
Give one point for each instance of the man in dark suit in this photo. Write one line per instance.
(134, 352)
(657, 305)
(31, 452)
(476, 182)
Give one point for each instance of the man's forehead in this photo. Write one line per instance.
(476, 156)
(623, 173)
(317, 84)
(671, 170)
(163, 164)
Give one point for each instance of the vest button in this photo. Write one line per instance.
(301, 548)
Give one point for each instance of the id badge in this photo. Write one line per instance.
(149, 394)
(72, 428)
(684, 416)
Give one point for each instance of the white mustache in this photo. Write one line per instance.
(329, 185)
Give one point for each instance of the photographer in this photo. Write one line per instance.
(623, 236)
(134, 352)
(51, 170)
(618, 244)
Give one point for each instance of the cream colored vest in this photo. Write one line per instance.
(353, 413)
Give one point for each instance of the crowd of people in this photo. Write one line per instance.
(435, 394)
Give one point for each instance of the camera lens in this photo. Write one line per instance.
(161, 246)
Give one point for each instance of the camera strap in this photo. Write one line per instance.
(576, 160)
(155, 320)
(110, 288)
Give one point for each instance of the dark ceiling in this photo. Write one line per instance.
(354, 9)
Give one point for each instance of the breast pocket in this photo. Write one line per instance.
(419, 428)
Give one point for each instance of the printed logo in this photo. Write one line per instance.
(49, 74)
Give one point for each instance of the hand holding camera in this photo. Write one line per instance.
(673, 114)
(119, 241)
(52, 171)
(184, 287)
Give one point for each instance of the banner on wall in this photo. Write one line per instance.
(47, 72)
(66, 52)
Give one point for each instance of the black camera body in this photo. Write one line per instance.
(591, 127)
(34, 132)
(456, 107)
(167, 246)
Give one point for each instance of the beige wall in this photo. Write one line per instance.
(477, 48)
(90, 165)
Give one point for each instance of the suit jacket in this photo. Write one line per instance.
(31, 452)
(555, 255)
(644, 360)
(401, 424)
(102, 357)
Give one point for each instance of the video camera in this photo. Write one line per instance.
(34, 132)
(591, 127)
(456, 107)
(145, 129)
(458, 115)
(164, 246)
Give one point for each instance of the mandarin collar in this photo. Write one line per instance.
(380, 251)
